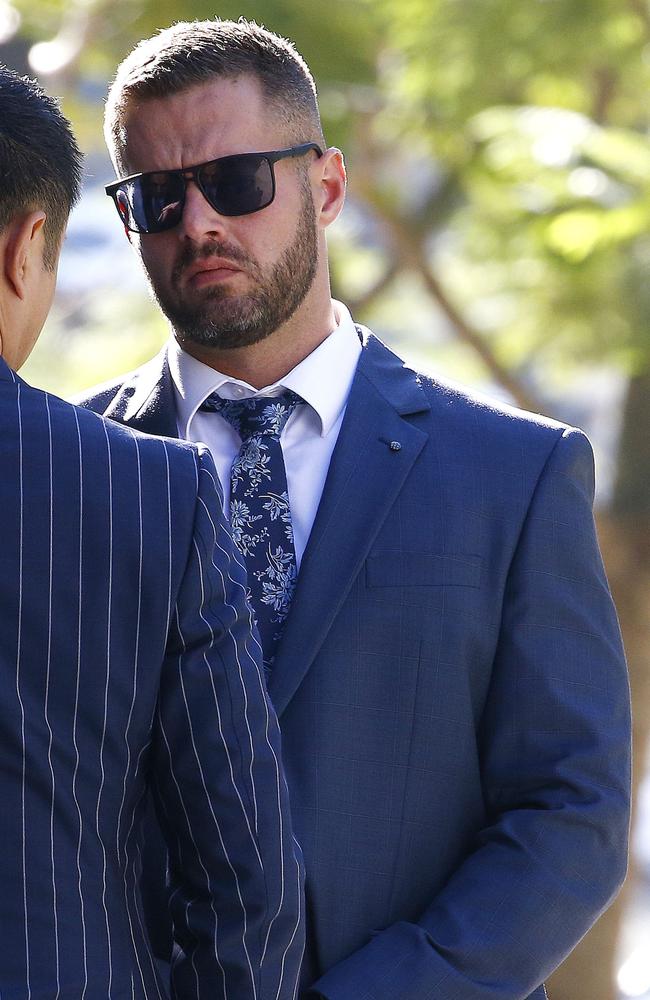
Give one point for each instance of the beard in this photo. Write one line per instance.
(222, 319)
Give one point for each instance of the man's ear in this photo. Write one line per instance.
(330, 169)
(23, 249)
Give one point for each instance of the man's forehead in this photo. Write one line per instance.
(215, 118)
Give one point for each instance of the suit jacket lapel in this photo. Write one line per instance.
(364, 480)
(146, 400)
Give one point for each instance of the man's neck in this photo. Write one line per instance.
(268, 360)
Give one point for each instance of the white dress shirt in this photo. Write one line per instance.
(322, 379)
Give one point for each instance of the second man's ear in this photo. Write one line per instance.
(23, 249)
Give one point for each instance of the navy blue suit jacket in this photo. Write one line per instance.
(127, 662)
(451, 689)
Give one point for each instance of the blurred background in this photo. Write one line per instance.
(497, 232)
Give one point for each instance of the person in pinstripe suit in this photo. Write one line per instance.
(127, 662)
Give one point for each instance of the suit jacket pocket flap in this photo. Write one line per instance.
(419, 569)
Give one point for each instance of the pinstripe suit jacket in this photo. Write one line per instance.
(452, 693)
(127, 661)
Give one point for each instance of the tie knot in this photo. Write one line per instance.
(255, 415)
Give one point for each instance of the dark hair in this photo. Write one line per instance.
(195, 52)
(40, 162)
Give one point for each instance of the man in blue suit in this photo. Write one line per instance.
(127, 662)
(446, 661)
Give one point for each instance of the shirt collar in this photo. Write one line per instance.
(322, 379)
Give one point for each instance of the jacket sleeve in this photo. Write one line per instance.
(235, 869)
(555, 757)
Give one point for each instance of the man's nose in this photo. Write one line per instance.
(199, 217)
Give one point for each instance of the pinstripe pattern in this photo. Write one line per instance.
(20, 700)
(127, 661)
(50, 732)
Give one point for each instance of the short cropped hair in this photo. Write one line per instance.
(40, 162)
(195, 52)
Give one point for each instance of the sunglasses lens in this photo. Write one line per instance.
(233, 185)
(237, 185)
(151, 203)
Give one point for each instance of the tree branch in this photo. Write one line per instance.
(640, 8)
(605, 78)
(362, 302)
(410, 253)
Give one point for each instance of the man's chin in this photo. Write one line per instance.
(218, 337)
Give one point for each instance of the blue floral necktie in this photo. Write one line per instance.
(260, 516)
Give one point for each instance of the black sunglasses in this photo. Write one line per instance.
(232, 185)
